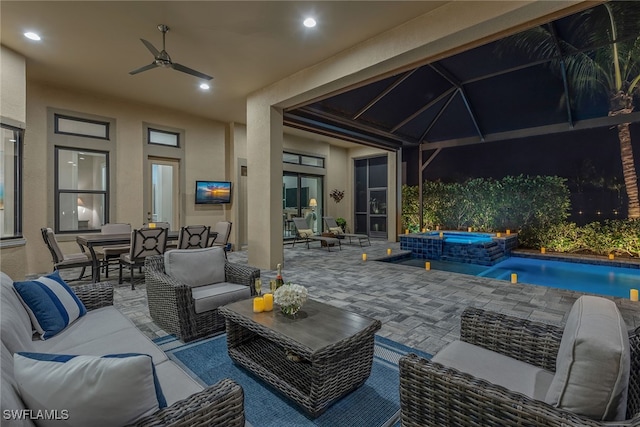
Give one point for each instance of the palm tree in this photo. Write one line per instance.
(611, 65)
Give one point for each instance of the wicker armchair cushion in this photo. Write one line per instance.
(496, 368)
(210, 297)
(124, 381)
(195, 267)
(592, 367)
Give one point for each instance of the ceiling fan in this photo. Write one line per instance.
(162, 59)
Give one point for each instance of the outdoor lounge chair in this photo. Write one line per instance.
(305, 234)
(507, 371)
(334, 228)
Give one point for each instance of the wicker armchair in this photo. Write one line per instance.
(172, 306)
(434, 395)
(221, 404)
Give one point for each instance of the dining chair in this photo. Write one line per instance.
(112, 253)
(223, 228)
(62, 260)
(144, 242)
(193, 236)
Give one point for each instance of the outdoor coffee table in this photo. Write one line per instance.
(334, 348)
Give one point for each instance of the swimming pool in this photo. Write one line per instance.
(595, 279)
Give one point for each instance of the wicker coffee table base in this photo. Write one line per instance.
(314, 382)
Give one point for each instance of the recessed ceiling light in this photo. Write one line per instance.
(32, 36)
(309, 22)
(204, 86)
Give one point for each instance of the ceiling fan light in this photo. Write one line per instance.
(204, 86)
(309, 22)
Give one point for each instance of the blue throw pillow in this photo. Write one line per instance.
(111, 390)
(50, 302)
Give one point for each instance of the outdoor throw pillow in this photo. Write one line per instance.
(593, 362)
(335, 230)
(50, 302)
(305, 232)
(112, 390)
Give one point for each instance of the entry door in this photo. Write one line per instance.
(164, 194)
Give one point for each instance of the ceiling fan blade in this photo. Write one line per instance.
(190, 71)
(151, 48)
(145, 68)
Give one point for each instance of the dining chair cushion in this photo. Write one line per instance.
(195, 267)
(496, 368)
(593, 362)
(207, 298)
(115, 389)
(50, 302)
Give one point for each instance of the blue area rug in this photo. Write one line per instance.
(376, 403)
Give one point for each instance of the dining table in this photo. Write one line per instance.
(96, 240)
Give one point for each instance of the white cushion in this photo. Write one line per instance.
(593, 362)
(336, 230)
(50, 302)
(15, 324)
(305, 232)
(104, 391)
(176, 384)
(10, 395)
(195, 267)
(496, 368)
(207, 298)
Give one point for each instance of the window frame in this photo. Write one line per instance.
(166, 132)
(57, 117)
(58, 192)
(17, 187)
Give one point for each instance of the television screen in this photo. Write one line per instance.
(213, 192)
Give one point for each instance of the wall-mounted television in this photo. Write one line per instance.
(213, 192)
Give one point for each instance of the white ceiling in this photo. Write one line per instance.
(92, 45)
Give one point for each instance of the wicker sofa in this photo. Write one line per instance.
(104, 330)
(432, 394)
(185, 288)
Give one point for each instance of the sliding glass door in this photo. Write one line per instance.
(302, 197)
(371, 196)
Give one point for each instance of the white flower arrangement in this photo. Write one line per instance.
(290, 297)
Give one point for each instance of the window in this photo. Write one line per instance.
(10, 182)
(66, 125)
(162, 137)
(81, 189)
(300, 159)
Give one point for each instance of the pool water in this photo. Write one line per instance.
(460, 237)
(595, 279)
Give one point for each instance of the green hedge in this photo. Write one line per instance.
(520, 203)
(610, 236)
(534, 207)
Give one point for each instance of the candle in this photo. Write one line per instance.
(389, 251)
(364, 257)
(437, 228)
(406, 231)
(152, 225)
(514, 278)
(633, 295)
(543, 250)
(469, 229)
(268, 302)
(611, 256)
(424, 229)
(498, 234)
(441, 234)
(258, 305)
(427, 266)
(508, 231)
